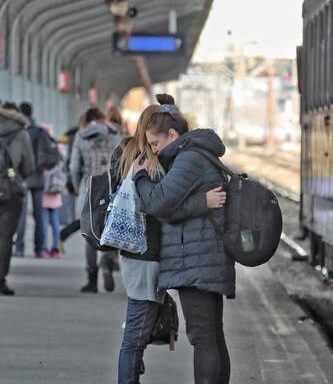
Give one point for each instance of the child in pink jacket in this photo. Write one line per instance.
(51, 203)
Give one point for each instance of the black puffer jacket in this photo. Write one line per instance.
(192, 252)
(187, 209)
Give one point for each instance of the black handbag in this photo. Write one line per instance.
(167, 324)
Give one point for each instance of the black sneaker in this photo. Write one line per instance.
(6, 291)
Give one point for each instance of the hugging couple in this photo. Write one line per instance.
(180, 192)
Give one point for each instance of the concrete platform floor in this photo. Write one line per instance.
(50, 333)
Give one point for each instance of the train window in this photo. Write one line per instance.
(331, 57)
(304, 67)
(317, 62)
(311, 58)
(322, 34)
(310, 64)
(327, 55)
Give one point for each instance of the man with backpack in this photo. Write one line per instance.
(16, 163)
(91, 155)
(47, 156)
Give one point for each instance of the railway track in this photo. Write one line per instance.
(285, 159)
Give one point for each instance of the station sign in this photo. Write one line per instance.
(64, 81)
(148, 44)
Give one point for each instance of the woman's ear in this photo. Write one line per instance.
(173, 134)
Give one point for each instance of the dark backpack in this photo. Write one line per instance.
(99, 193)
(11, 182)
(253, 218)
(47, 155)
(166, 328)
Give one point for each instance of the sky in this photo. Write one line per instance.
(272, 28)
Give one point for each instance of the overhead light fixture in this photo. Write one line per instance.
(132, 12)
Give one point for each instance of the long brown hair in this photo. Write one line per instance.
(168, 116)
(138, 145)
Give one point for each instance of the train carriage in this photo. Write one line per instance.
(315, 66)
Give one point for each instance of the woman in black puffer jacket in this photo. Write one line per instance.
(193, 259)
(140, 272)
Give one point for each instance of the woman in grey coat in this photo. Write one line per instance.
(193, 259)
(91, 155)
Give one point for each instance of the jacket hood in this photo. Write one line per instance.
(11, 121)
(203, 138)
(94, 129)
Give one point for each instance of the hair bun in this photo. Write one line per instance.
(164, 98)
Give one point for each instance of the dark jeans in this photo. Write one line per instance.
(9, 218)
(140, 321)
(203, 312)
(36, 195)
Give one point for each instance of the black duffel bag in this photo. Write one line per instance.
(253, 218)
(98, 196)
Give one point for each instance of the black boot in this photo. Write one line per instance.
(6, 291)
(91, 286)
(107, 270)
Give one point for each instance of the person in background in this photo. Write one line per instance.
(35, 185)
(14, 136)
(51, 202)
(67, 139)
(115, 120)
(91, 155)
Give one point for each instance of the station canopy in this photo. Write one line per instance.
(76, 36)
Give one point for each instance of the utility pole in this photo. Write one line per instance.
(270, 118)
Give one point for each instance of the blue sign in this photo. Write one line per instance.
(148, 43)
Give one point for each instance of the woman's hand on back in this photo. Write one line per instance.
(216, 198)
(139, 164)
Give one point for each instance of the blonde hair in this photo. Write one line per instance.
(114, 115)
(138, 145)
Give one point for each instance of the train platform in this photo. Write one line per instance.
(51, 333)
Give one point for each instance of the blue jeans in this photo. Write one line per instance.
(140, 321)
(36, 195)
(51, 216)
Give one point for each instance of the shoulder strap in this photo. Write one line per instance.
(215, 160)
